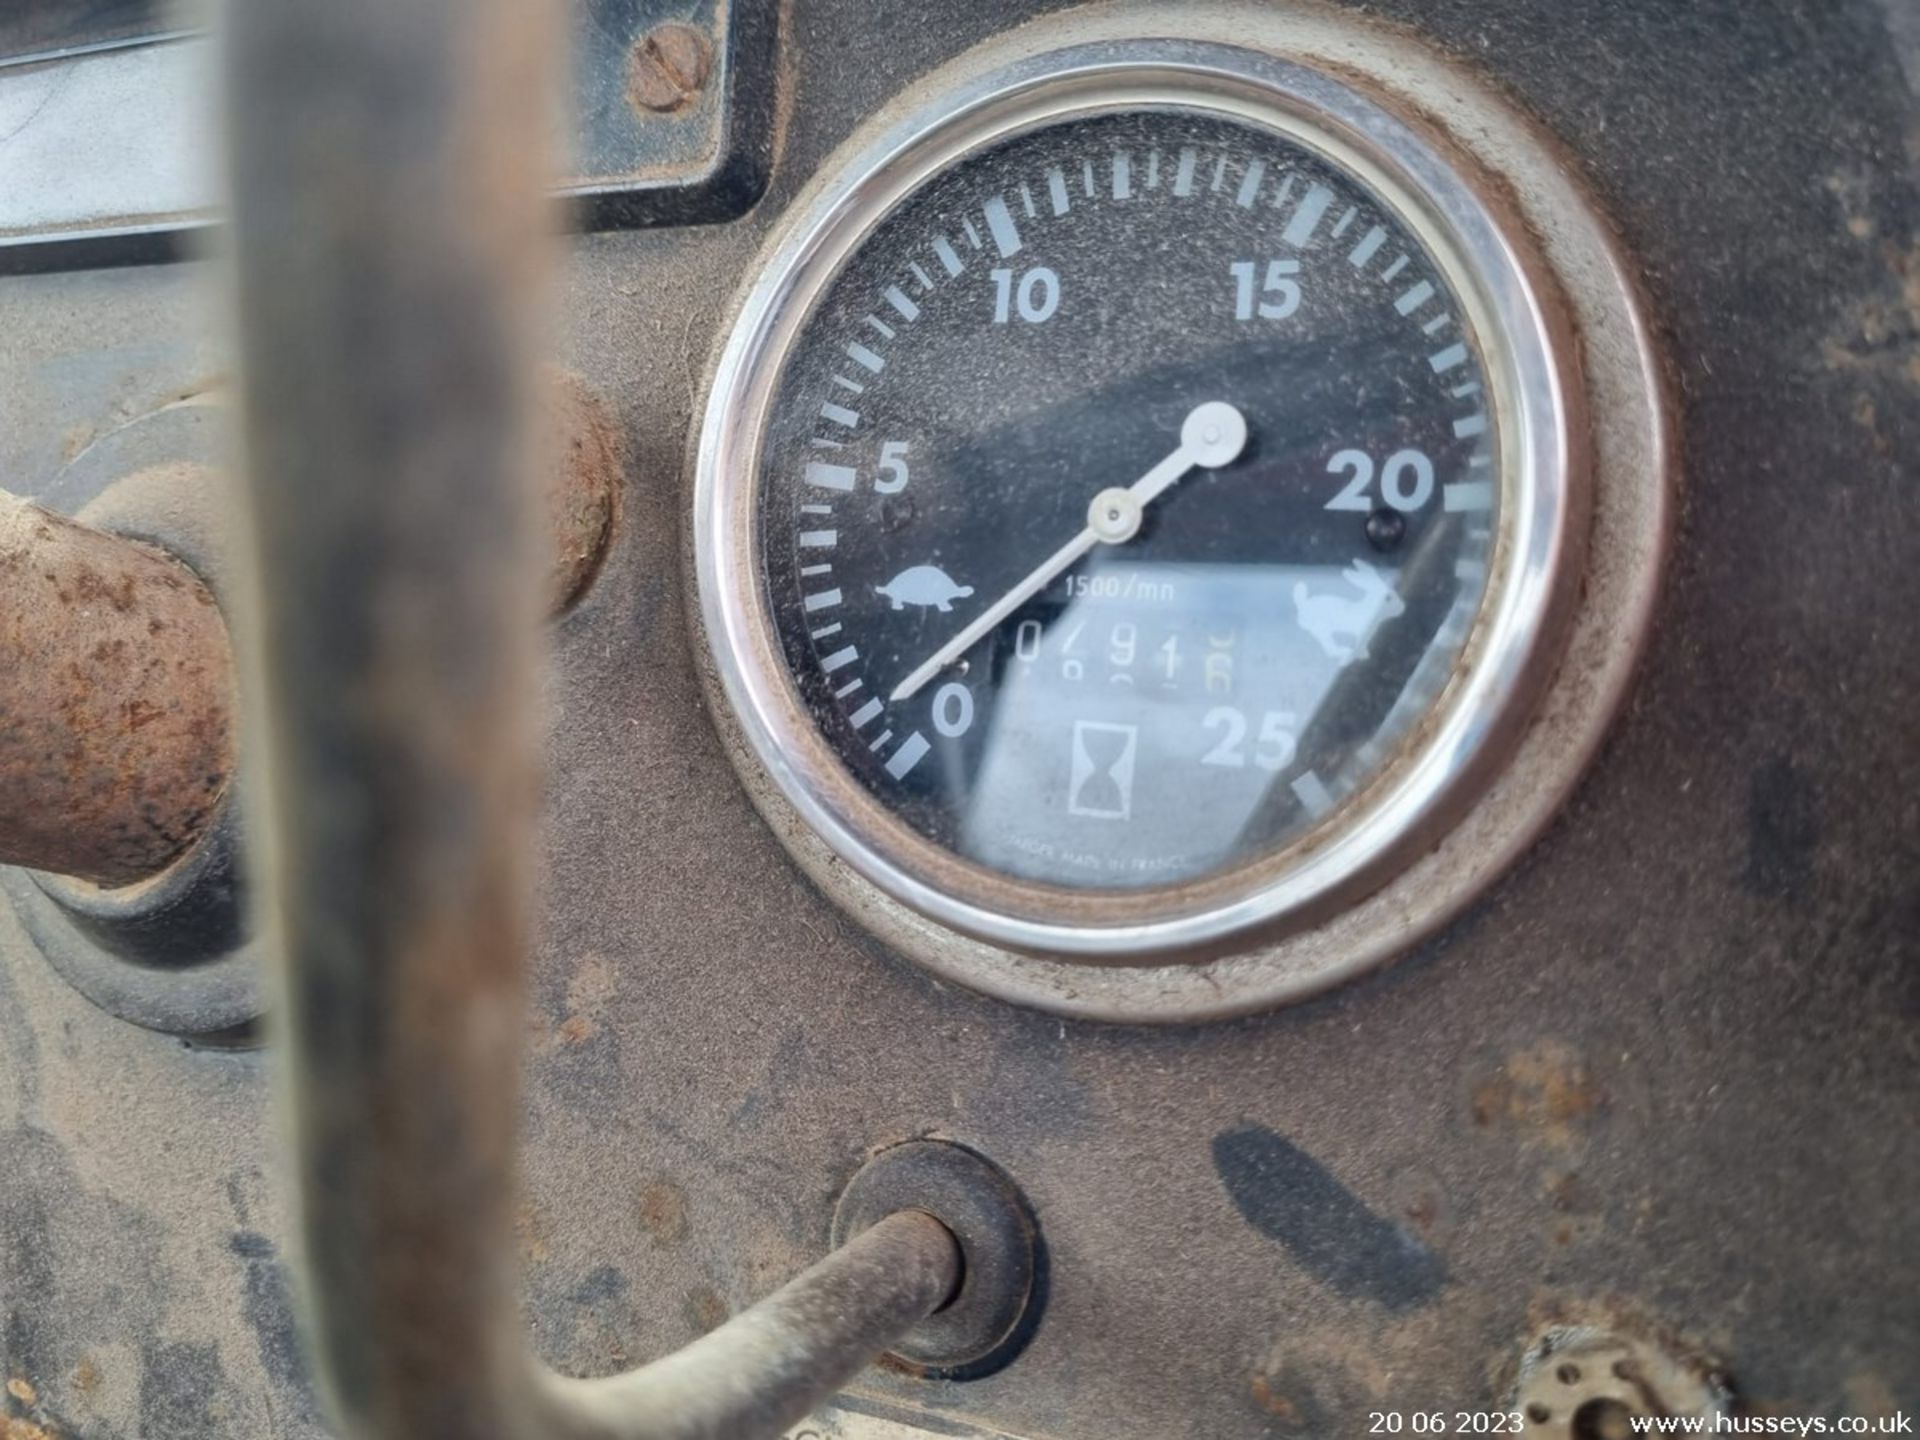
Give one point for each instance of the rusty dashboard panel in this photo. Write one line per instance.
(1177, 718)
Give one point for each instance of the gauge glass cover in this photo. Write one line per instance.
(1249, 647)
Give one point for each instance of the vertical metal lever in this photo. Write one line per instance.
(387, 187)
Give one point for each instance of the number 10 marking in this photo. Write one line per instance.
(1038, 297)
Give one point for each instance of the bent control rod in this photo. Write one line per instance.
(387, 204)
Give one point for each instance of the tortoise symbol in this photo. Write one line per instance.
(923, 585)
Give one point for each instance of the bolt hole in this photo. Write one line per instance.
(1538, 1413)
(1602, 1419)
(1569, 1374)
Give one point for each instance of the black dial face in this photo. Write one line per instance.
(1128, 499)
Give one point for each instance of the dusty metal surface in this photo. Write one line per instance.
(116, 701)
(1668, 1068)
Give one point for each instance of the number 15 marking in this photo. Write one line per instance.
(1278, 283)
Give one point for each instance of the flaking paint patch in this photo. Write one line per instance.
(1545, 1091)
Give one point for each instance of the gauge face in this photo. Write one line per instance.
(1127, 499)
(1133, 503)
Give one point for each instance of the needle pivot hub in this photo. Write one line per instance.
(1115, 515)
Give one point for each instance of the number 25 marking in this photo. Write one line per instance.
(1273, 751)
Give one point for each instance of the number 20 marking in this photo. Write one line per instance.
(1406, 480)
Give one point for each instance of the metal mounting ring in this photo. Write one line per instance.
(992, 1315)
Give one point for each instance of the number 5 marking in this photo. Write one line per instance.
(893, 463)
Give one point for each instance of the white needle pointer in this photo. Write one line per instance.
(1212, 435)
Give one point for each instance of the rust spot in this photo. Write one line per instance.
(530, 1231)
(1882, 332)
(1564, 1191)
(1869, 1395)
(23, 1391)
(663, 1211)
(704, 1310)
(1545, 1089)
(90, 587)
(1272, 1401)
(588, 991)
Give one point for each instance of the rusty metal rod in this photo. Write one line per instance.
(388, 241)
(116, 672)
(116, 700)
(770, 1365)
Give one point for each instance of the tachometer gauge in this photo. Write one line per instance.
(1138, 502)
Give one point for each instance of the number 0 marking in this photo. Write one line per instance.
(953, 710)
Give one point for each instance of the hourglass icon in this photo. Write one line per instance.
(1102, 783)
